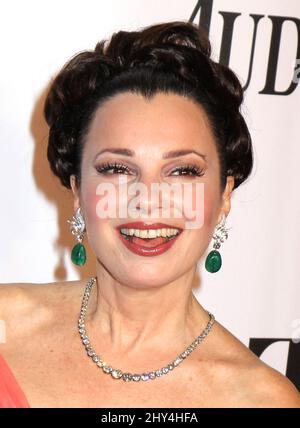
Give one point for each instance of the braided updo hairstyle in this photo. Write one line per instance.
(165, 57)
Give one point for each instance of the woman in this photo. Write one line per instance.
(150, 106)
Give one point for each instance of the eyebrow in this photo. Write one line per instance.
(167, 155)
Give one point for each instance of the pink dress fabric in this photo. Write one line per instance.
(11, 394)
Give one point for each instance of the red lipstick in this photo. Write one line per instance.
(147, 246)
(145, 226)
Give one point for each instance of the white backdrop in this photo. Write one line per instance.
(256, 293)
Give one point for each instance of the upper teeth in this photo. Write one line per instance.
(150, 233)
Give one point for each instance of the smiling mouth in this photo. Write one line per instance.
(148, 242)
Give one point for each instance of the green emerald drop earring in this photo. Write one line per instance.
(78, 255)
(213, 261)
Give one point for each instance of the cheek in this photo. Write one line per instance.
(90, 201)
(204, 205)
(209, 209)
(101, 206)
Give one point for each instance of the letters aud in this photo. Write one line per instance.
(205, 9)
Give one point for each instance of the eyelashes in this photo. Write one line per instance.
(108, 166)
(112, 168)
(192, 170)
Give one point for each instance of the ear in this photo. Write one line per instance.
(226, 198)
(73, 183)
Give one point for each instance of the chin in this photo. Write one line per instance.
(143, 275)
(142, 282)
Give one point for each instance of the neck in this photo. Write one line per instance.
(127, 320)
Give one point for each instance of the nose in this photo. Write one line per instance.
(146, 198)
(146, 194)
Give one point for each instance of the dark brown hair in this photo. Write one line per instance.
(165, 57)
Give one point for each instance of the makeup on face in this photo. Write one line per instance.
(146, 239)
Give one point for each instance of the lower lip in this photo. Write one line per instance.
(146, 251)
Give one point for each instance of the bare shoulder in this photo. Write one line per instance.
(274, 389)
(249, 380)
(25, 308)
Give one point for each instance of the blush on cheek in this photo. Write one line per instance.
(94, 224)
(91, 200)
(100, 209)
(200, 207)
(209, 208)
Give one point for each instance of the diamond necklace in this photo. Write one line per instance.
(118, 374)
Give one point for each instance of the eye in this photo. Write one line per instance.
(113, 168)
(190, 170)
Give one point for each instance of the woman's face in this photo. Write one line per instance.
(148, 130)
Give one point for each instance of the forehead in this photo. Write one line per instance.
(128, 118)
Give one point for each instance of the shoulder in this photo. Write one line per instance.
(273, 389)
(27, 307)
(250, 381)
(262, 385)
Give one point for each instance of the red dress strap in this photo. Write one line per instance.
(11, 394)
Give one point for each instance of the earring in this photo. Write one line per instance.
(213, 261)
(78, 255)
